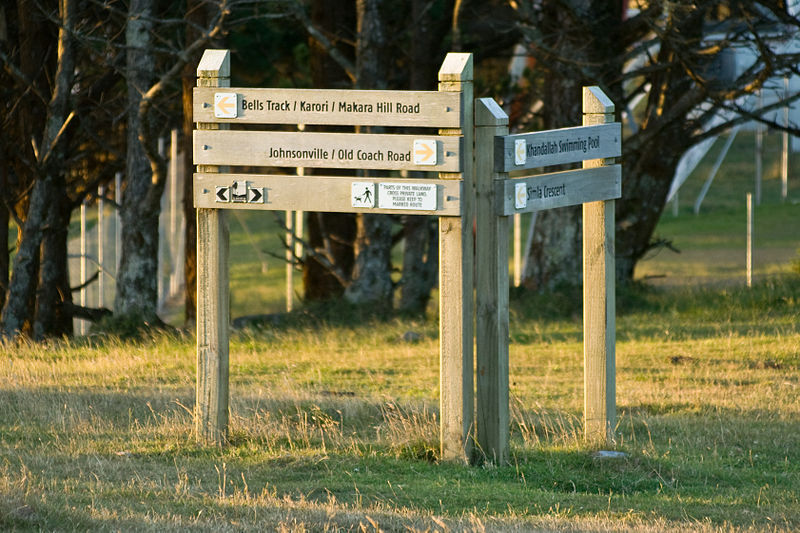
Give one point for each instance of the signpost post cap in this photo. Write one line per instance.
(596, 101)
(456, 66)
(215, 64)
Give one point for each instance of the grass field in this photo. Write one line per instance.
(334, 416)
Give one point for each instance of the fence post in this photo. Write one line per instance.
(213, 313)
(101, 250)
(749, 258)
(492, 322)
(456, 353)
(599, 320)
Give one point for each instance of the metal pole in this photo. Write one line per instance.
(749, 240)
(84, 265)
(173, 212)
(785, 151)
(289, 261)
(101, 237)
(117, 222)
(517, 249)
(759, 150)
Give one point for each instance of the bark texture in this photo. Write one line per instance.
(48, 194)
(555, 258)
(331, 233)
(137, 278)
(372, 282)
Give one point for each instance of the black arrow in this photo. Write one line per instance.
(256, 196)
(222, 194)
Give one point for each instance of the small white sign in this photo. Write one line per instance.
(255, 195)
(520, 152)
(223, 194)
(413, 196)
(225, 105)
(424, 152)
(362, 194)
(239, 191)
(520, 195)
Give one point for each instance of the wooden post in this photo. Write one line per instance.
(492, 322)
(517, 249)
(213, 313)
(759, 150)
(101, 251)
(117, 223)
(456, 402)
(749, 240)
(82, 329)
(289, 261)
(599, 321)
(175, 267)
(785, 145)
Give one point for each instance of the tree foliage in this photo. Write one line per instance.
(669, 55)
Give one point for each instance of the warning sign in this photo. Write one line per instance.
(415, 196)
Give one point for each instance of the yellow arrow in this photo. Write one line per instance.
(225, 106)
(425, 151)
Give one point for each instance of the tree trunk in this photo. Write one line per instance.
(52, 319)
(420, 263)
(4, 227)
(338, 230)
(649, 172)
(420, 235)
(137, 279)
(18, 312)
(372, 282)
(555, 257)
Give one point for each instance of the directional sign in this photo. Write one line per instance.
(559, 189)
(520, 196)
(225, 105)
(557, 147)
(327, 150)
(223, 194)
(429, 109)
(255, 195)
(520, 151)
(334, 194)
(424, 152)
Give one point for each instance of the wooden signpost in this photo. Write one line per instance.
(469, 180)
(595, 187)
(447, 150)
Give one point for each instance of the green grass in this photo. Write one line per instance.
(712, 244)
(334, 426)
(334, 416)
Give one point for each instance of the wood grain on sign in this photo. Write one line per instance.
(336, 107)
(557, 147)
(561, 189)
(322, 150)
(331, 194)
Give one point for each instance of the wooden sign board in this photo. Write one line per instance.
(328, 150)
(430, 109)
(333, 194)
(559, 189)
(557, 147)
